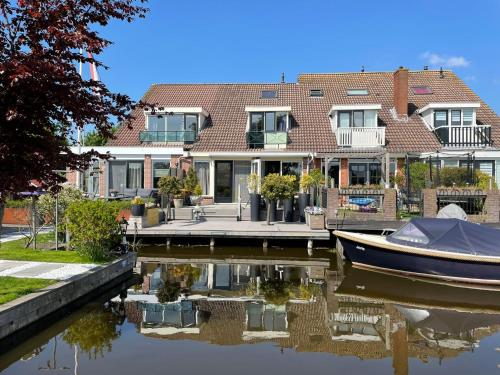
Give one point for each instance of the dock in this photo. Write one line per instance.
(213, 230)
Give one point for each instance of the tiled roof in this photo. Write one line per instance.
(311, 130)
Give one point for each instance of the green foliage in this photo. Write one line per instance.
(94, 332)
(276, 186)
(190, 181)
(306, 182)
(253, 182)
(277, 292)
(198, 191)
(317, 177)
(120, 205)
(18, 203)
(450, 176)
(94, 229)
(47, 204)
(309, 291)
(419, 176)
(168, 292)
(169, 185)
(13, 287)
(483, 181)
(93, 138)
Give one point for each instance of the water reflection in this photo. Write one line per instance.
(297, 304)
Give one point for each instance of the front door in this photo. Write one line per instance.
(223, 181)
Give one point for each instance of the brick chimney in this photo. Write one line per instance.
(401, 91)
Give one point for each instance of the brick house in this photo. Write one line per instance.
(357, 127)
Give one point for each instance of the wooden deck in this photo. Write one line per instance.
(229, 229)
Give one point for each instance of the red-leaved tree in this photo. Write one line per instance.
(42, 96)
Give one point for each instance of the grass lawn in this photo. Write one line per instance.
(14, 250)
(12, 287)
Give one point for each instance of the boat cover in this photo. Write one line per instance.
(450, 235)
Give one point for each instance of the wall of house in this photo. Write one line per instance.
(344, 172)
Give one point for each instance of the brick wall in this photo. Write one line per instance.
(344, 172)
(430, 202)
(148, 172)
(492, 206)
(183, 162)
(390, 205)
(71, 177)
(332, 203)
(102, 178)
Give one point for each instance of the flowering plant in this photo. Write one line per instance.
(313, 210)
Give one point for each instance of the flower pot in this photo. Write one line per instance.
(153, 216)
(316, 222)
(137, 209)
(178, 202)
(272, 211)
(288, 210)
(254, 207)
(194, 199)
(303, 203)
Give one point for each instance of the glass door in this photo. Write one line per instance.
(223, 181)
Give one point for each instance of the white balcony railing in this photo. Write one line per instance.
(361, 137)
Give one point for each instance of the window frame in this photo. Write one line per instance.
(153, 161)
(447, 118)
(264, 121)
(165, 116)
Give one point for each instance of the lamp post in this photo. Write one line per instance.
(123, 229)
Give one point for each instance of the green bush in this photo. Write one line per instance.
(169, 185)
(18, 203)
(190, 181)
(276, 186)
(95, 232)
(450, 176)
(483, 181)
(169, 292)
(47, 205)
(120, 205)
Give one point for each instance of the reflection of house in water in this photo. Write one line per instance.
(224, 306)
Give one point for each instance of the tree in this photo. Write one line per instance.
(277, 187)
(43, 97)
(169, 186)
(93, 138)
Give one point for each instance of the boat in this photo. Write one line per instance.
(447, 249)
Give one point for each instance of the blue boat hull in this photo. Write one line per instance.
(373, 256)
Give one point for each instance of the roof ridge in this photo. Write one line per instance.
(376, 72)
(222, 83)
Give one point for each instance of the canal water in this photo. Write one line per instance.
(242, 311)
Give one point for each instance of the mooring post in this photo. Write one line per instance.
(265, 244)
(310, 247)
(212, 243)
(169, 242)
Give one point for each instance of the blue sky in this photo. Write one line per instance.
(254, 41)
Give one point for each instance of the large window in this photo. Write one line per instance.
(91, 179)
(291, 168)
(457, 117)
(268, 121)
(202, 169)
(160, 168)
(126, 175)
(177, 122)
(365, 173)
(357, 119)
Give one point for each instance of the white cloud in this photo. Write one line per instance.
(438, 60)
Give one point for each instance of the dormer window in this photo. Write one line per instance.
(268, 121)
(316, 93)
(267, 126)
(453, 117)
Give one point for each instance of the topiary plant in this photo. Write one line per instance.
(253, 182)
(190, 181)
(276, 186)
(169, 186)
(306, 183)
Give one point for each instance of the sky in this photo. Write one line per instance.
(255, 41)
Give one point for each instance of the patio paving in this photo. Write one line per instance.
(42, 270)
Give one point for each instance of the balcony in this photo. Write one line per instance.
(464, 136)
(168, 136)
(360, 137)
(267, 139)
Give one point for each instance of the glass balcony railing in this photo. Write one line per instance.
(168, 136)
(261, 139)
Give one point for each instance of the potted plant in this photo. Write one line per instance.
(169, 186)
(273, 188)
(291, 181)
(315, 217)
(152, 213)
(179, 200)
(190, 183)
(138, 206)
(197, 195)
(306, 183)
(253, 181)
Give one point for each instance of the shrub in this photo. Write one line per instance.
(276, 186)
(198, 191)
(169, 185)
(450, 176)
(253, 182)
(47, 204)
(306, 182)
(276, 292)
(120, 205)
(190, 181)
(94, 229)
(483, 181)
(169, 292)
(18, 203)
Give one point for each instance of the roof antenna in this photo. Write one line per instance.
(441, 74)
(426, 67)
(282, 77)
(362, 68)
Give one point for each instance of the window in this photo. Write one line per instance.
(157, 123)
(357, 173)
(375, 173)
(316, 93)
(268, 94)
(468, 113)
(160, 169)
(440, 118)
(202, 169)
(291, 168)
(357, 92)
(91, 179)
(177, 122)
(456, 117)
(357, 119)
(268, 121)
(125, 175)
(421, 90)
(135, 175)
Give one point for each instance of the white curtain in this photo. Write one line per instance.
(203, 174)
(134, 177)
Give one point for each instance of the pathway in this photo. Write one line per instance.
(42, 270)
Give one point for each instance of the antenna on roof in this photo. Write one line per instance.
(426, 67)
(441, 74)
(282, 77)
(362, 68)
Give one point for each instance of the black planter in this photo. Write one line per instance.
(303, 203)
(288, 210)
(272, 211)
(254, 207)
(138, 209)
